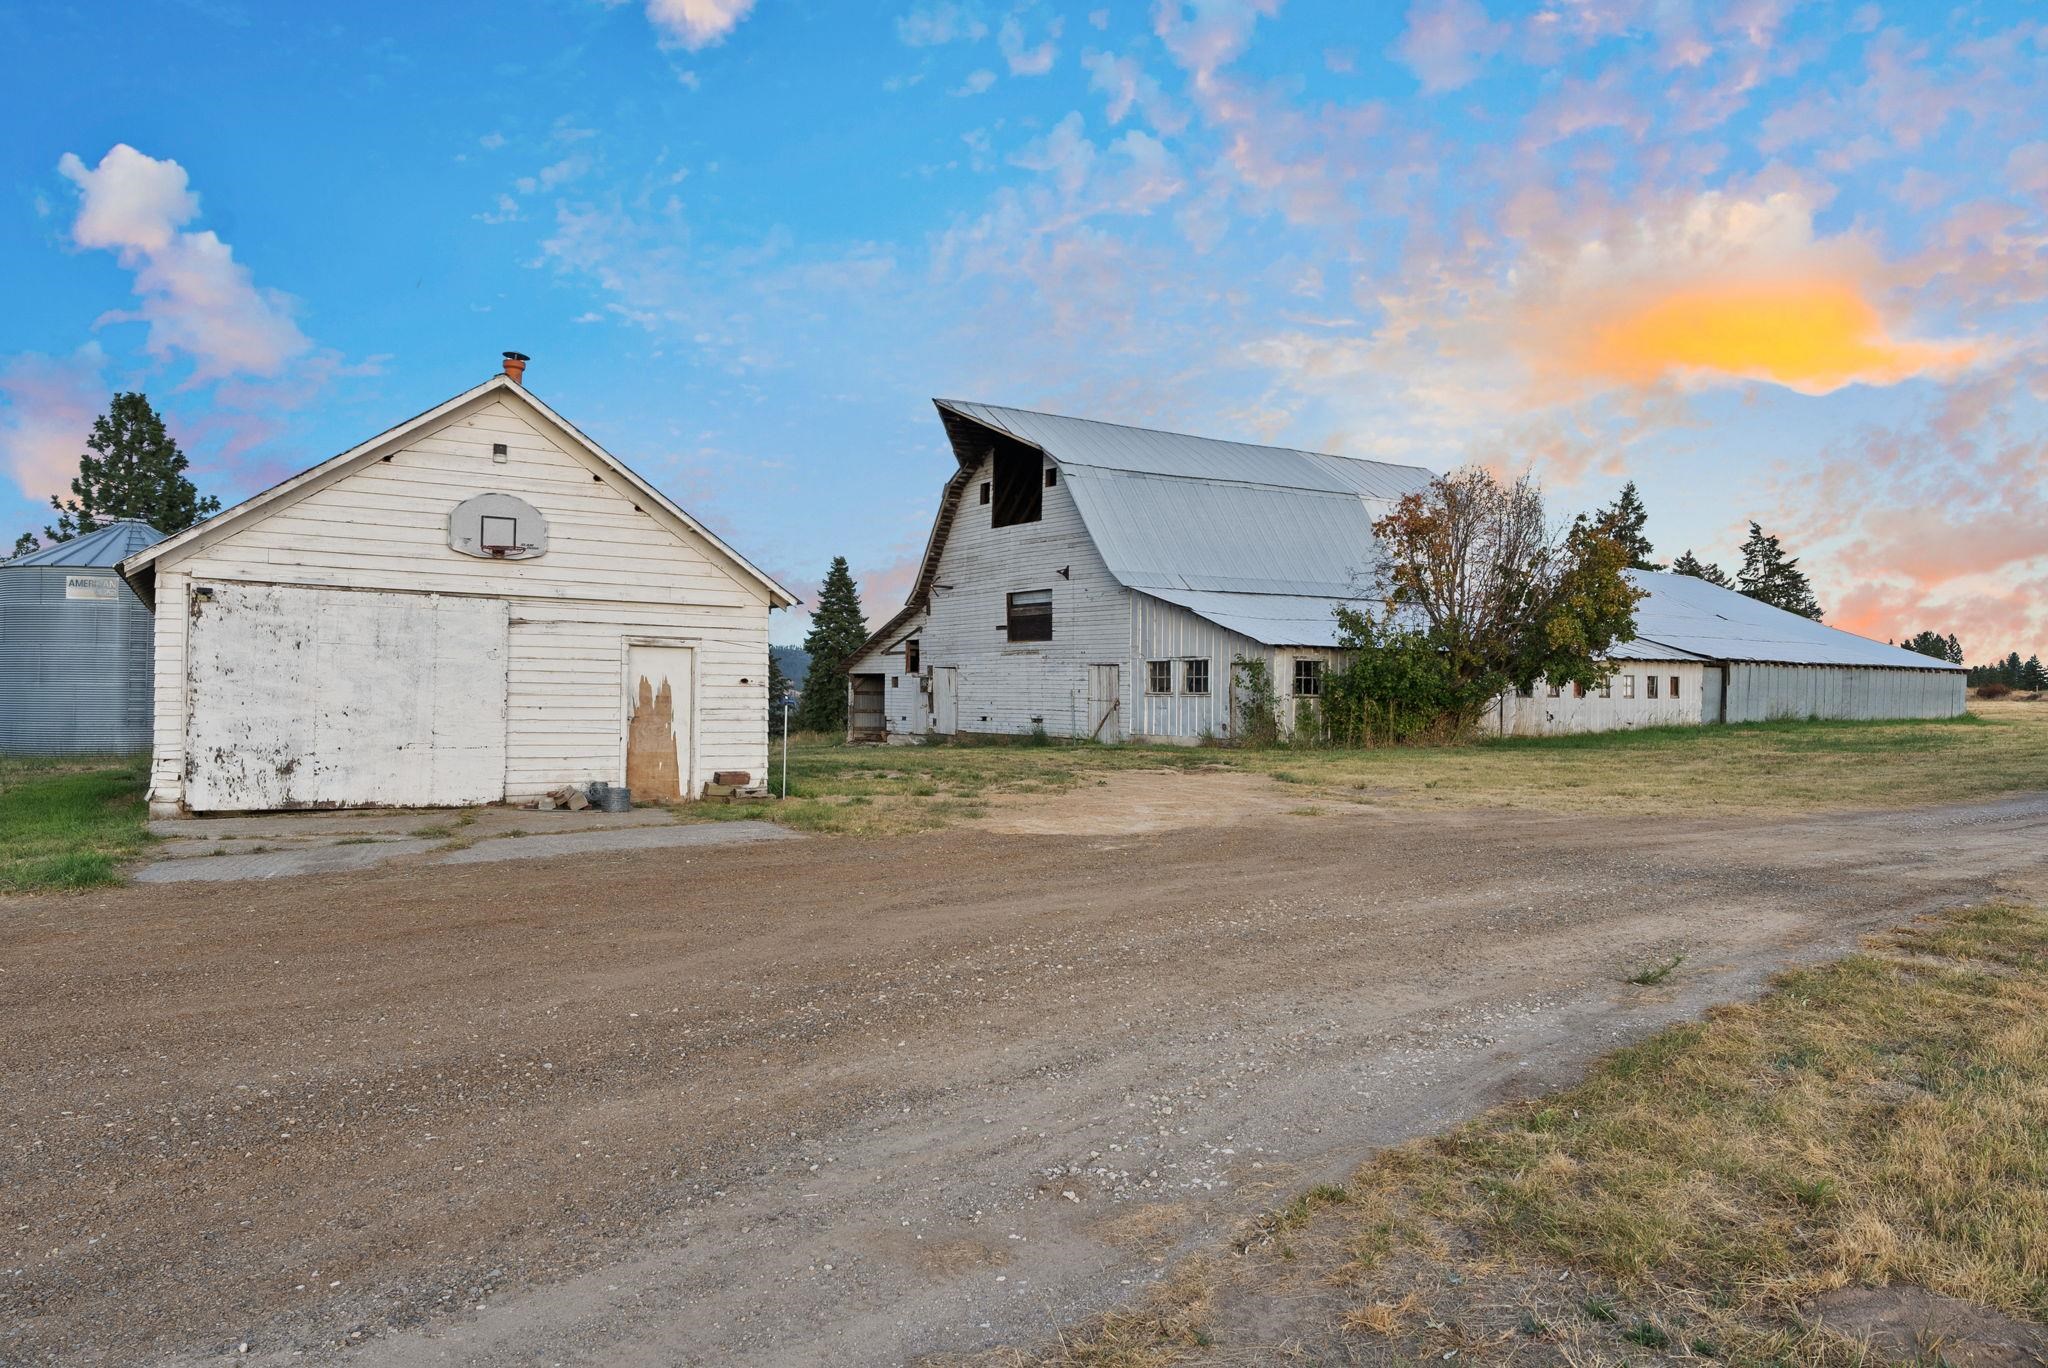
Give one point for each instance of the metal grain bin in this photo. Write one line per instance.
(75, 648)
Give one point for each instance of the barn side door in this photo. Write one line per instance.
(658, 695)
(1105, 703)
(945, 699)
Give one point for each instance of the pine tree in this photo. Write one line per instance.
(1768, 575)
(1623, 520)
(2010, 670)
(132, 468)
(779, 688)
(2032, 676)
(838, 630)
(1927, 644)
(1689, 564)
(26, 543)
(1954, 653)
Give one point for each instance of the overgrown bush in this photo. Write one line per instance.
(1994, 689)
(1396, 686)
(1258, 706)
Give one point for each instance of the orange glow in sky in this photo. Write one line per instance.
(1814, 336)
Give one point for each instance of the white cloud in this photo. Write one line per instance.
(1128, 85)
(1447, 41)
(196, 298)
(1032, 61)
(935, 25)
(976, 83)
(697, 23)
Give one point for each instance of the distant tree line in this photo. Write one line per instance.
(2012, 672)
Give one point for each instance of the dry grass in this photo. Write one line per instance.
(1883, 1119)
(1768, 767)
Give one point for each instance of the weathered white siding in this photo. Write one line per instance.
(1167, 631)
(1698, 700)
(1762, 693)
(906, 698)
(613, 573)
(1014, 688)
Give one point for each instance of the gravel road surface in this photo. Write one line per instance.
(830, 1101)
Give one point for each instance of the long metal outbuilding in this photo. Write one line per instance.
(75, 648)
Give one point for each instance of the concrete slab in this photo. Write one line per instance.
(585, 842)
(279, 864)
(327, 826)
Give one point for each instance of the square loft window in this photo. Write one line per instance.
(1194, 676)
(1158, 676)
(1308, 678)
(1030, 616)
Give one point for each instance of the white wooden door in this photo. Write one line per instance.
(1105, 702)
(658, 723)
(945, 699)
(325, 697)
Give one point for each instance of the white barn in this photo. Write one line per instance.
(1099, 581)
(479, 605)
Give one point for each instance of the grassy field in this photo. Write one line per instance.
(1774, 766)
(68, 823)
(1879, 1121)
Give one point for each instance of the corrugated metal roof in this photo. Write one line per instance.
(1680, 618)
(1142, 451)
(107, 546)
(1721, 624)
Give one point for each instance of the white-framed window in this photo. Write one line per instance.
(1194, 676)
(1158, 676)
(1308, 678)
(1628, 686)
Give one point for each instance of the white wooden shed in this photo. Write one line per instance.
(480, 604)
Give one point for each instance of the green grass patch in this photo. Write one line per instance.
(67, 824)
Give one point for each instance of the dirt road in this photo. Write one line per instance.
(830, 1101)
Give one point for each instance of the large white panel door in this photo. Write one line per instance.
(945, 699)
(333, 698)
(658, 723)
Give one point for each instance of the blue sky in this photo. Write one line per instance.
(1771, 260)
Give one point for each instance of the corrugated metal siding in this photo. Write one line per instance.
(1764, 693)
(1627, 706)
(74, 672)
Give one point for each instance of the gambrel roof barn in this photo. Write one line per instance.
(1097, 580)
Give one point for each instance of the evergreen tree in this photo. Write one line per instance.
(2032, 676)
(779, 688)
(1928, 644)
(26, 543)
(838, 630)
(1623, 521)
(132, 468)
(1770, 576)
(1954, 653)
(2010, 670)
(1689, 564)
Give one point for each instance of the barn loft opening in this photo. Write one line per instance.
(1019, 485)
